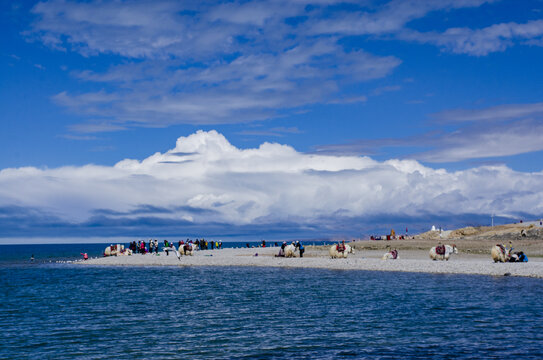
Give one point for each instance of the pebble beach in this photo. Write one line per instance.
(317, 257)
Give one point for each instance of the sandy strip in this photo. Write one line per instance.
(411, 261)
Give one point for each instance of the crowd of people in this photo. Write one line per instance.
(141, 247)
(152, 245)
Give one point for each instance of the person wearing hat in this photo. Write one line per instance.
(301, 248)
(282, 250)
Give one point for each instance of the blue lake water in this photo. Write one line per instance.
(65, 311)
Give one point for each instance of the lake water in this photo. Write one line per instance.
(65, 311)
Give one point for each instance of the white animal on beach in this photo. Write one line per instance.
(290, 250)
(500, 253)
(125, 252)
(117, 250)
(335, 254)
(188, 249)
(391, 255)
(448, 251)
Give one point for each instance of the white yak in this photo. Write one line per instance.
(501, 253)
(391, 255)
(187, 249)
(335, 254)
(290, 250)
(447, 251)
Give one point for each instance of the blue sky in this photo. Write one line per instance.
(443, 96)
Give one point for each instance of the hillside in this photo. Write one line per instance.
(498, 233)
(527, 237)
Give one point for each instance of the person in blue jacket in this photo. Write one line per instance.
(301, 248)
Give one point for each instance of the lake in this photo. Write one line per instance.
(67, 311)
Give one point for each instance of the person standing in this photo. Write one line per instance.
(301, 248)
(167, 247)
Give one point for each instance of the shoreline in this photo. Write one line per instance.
(369, 260)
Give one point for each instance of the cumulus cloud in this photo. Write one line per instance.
(205, 182)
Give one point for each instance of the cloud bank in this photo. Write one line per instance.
(205, 185)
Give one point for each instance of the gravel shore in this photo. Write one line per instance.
(317, 257)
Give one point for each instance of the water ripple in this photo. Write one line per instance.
(67, 312)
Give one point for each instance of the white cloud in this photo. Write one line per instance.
(492, 114)
(270, 184)
(481, 42)
(159, 29)
(388, 18)
(277, 131)
(140, 29)
(195, 29)
(207, 63)
(247, 88)
(486, 142)
(492, 132)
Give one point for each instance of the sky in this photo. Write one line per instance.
(268, 119)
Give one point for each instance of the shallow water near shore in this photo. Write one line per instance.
(64, 311)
